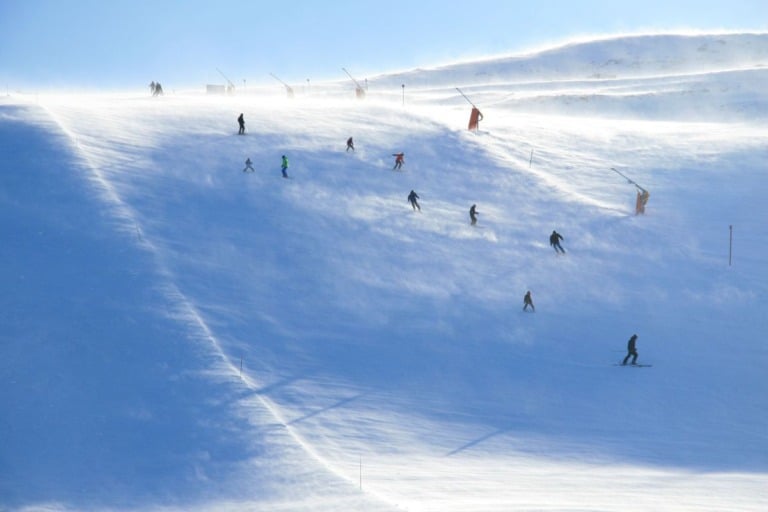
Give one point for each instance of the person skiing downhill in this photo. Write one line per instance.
(241, 122)
(412, 198)
(631, 350)
(399, 160)
(350, 144)
(528, 301)
(473, 213)
(554, 241)
(284, 166)
(249, 166)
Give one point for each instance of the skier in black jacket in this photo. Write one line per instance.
(473, 213)
(631, 350)
(554, 241)
(528, 301)
(412, 198)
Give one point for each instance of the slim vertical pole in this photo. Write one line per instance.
(730, 244)
(403, 86)
(530, 162)
(241, 367)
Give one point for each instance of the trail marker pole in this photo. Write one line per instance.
(403, 86)
(730, 244)
(530, 162)
(241, 367)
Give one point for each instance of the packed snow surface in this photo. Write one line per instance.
(181, 335)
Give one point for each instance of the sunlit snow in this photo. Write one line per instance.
(182, 335)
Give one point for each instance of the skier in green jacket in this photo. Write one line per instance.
(284, 166)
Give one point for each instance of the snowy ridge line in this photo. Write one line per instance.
(184, 308)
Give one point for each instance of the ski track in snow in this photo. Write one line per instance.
(184, 308)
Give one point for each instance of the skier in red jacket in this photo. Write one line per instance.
(399, 160)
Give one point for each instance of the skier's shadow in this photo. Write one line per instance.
(477, 441)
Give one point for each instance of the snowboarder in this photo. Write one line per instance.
(631, 350)
(473, 213)
(642, 200)
(412, 198)
(554, 241)
(241, 122)
(528, 301)
(399, 160)
(350, 144)
(284, 166)
(249, 166)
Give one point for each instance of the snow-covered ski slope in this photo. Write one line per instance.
(180, 335)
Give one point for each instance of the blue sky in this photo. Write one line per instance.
(127, 43)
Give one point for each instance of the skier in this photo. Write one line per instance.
(528, 301)
(241, 122)
(554, 241)
(284, 166)
(350, 144)
(631, 350)
(249, 166)
(412, 198)
(473, 213)
(399, 160)
(642, 200)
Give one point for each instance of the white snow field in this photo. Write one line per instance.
(179, 335)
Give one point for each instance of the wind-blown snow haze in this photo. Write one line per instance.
(183, 333)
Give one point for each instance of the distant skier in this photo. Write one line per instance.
(642, 199)
(528, 301)
(284, 166)
(473, 213)
(399, 160)
(413, 199)
(241, 122)
(350, 144)
(157, 90)
(631, 350)
(249, 166)
(554, 241)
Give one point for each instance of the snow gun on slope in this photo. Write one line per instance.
(359, 89)
(230, 86)
(288, 88)
(642, 194)
(475, 116)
